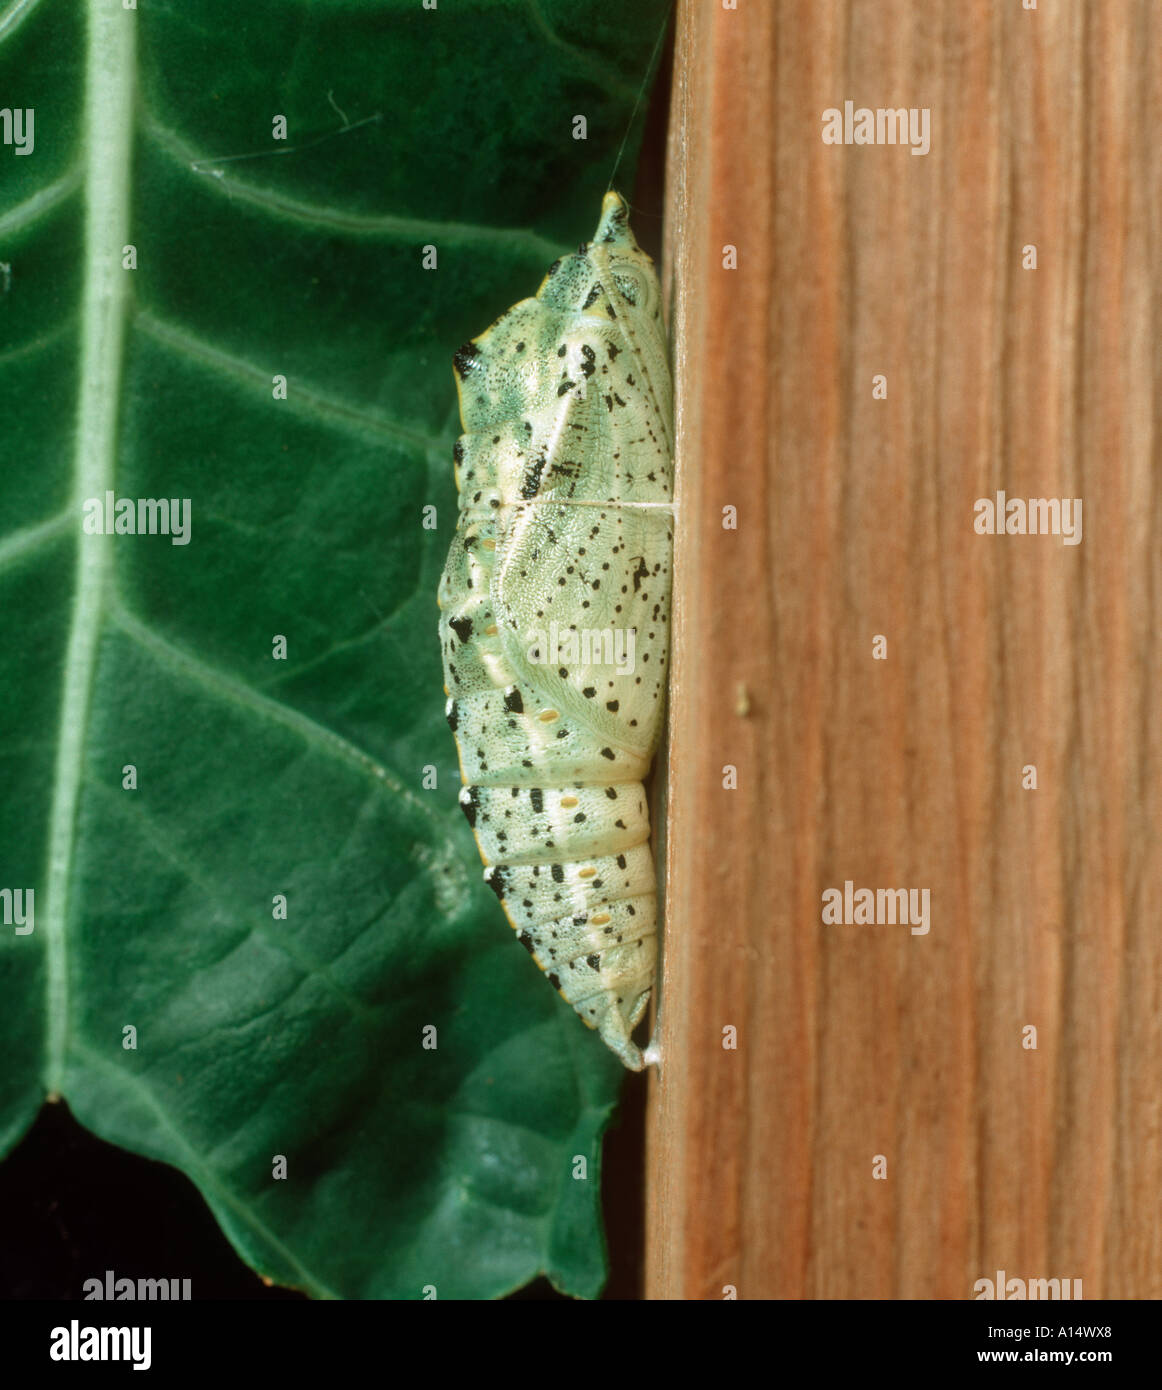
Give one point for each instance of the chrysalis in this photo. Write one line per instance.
(555, 617)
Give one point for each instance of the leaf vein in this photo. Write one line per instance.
(303, 400)
(199, 1169)
(421, 230)
(40, 203)
(28, 540)
(310, 966)
(15, 15)
(110, 64)
(237, 692)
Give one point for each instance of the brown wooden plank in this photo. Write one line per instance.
(855, 518)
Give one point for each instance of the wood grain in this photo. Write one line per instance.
(855, 519)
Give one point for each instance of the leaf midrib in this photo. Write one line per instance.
(108, 134)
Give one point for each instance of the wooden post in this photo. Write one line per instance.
(858, 1111)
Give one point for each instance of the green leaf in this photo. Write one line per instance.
(155, 905)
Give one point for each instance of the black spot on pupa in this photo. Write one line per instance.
(621, 861)
(495, 879)
(608, 753)
(611, 792)
(626, 288)
(554, 980)
(537, 799)
(462, 627)
(558, 873)
(612, 706)
(592, 297)
(593, 962)
(452, 715)
(464, 358)
(513, 702)
(527, 942)
(469, 803)
(531, 483)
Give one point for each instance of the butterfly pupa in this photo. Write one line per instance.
(555, 617)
